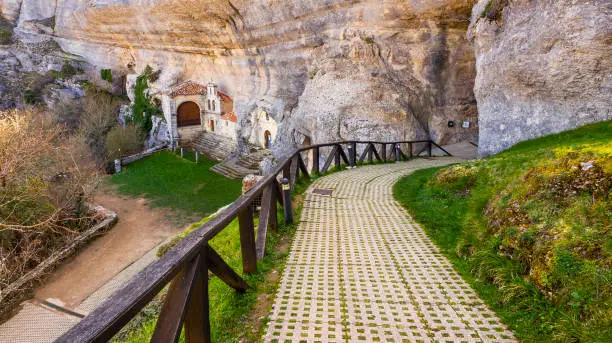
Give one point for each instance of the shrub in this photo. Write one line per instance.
(31, 96)
(100, 111)
(152, 76)
(5, 36)
(42, 191)
(35, 83)
(123, 141)
(493, 9)
(68, 70)
(107, 75)
(67, 113)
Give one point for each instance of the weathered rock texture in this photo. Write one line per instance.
(324, 69)
(544, 66)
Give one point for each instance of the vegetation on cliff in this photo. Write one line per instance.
(143, 108)
(530, 229)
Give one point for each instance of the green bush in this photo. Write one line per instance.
(107, 75)
(5, 36)
(123, 141)
(31, 96)
(68, 70)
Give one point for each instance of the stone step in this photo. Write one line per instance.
(216, 147)
(252, 160)
(232, 171)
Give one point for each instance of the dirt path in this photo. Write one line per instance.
(138, 230)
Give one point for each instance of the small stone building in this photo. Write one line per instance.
(191, 107)
(263, 131)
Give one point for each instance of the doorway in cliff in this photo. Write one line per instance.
(267, 139)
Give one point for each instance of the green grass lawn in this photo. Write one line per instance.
(180, 184)
(529, 228)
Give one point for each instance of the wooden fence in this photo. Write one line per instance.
(186, 266)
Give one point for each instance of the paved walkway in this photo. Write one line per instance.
(361, 270)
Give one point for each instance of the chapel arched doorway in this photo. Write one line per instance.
(188, 114)
(267, 139)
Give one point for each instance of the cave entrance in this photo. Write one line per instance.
(188, 114)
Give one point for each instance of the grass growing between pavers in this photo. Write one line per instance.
(529, 228)
(234, 317)
(179, 184)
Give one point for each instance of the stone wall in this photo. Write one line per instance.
(544, 66)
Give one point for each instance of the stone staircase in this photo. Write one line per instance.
(238, 168)
(214, 146)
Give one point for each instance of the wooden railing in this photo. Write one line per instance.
(186, 266)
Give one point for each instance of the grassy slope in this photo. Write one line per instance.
(179, 184)
(529, 229)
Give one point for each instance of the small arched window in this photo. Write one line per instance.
(214, 106)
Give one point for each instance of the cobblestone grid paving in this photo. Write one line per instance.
(361, 270)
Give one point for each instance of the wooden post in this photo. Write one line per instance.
(287, 170)
(267, 218)
(315, 160)
(429, 149)
(247, 239)
(398, 152)
(351, 156)
(182, 304)
(287, 201)
(337, 157)
(370, 153)
(410, 147)
(384, 152)
(197, 320)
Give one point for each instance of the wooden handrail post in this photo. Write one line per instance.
(247, 240)
(315, 160)
(398, 153)
(371, 153)
(197, 320)
(287, 170)
(184, 304)
(337, 157)
(287, 201)
(384, 152)
(353, 154)
(411, 152)
(429, 149)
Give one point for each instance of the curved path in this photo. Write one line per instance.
(361, 270)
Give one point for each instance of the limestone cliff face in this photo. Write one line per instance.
(326, 69)
(544, 66)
